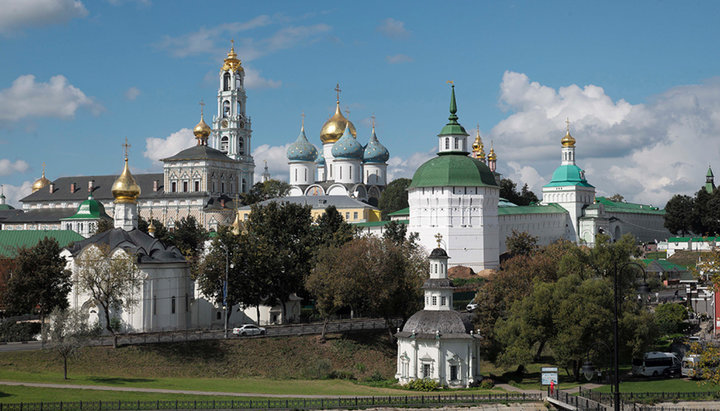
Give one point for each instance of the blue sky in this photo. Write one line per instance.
(638, 80)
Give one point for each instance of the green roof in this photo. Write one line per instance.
(89, 209)
(623, 207)
(404, 211)
(453, 170)
(568, 175)
(664, 264)
(11, 240)
(379, 223)
(551, 208)
(693, 239)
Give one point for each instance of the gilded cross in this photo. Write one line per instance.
(438, 237)
(126, 146)
(337, 91)
(202, 108)
(232, 43)
(567, 124)
(373, 120)
(451, 82)
(43, 164)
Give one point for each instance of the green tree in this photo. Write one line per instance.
(670, 317)
(189, 237)
(679, 214)
(521, 243)
(394, 197)
(104, 225)
(508, 191)
(282, 248)
(110, 278)
(617, 198)
(397, 233)
(161, 232)
(331, 229)
(39, 281)
(265, 190)
(67, 332)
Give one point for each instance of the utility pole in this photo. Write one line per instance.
(225, 289)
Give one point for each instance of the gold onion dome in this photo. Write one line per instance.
(125, 189)
(568, 140)
(333, 129)
(202, 131)
(232, 63)
(151, 227)
(478, 147)
(491, 155)
(41, 182)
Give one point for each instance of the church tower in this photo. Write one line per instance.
(126, 192)
(231, 126)
(568, 186)
(709, 181)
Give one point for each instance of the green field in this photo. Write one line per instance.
(13, 394)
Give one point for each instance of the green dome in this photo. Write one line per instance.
(453, 170)
(568, 175)
(89, 209)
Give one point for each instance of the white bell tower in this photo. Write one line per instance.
(231, 126)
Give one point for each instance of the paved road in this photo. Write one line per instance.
(28, 346)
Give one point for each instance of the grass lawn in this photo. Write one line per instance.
(12, 394)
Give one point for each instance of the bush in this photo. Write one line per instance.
(376, 377)
(320, 370)
(487, 384)
(422, 385)
(11, 331)
(342, 375)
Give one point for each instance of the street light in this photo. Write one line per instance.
(616, 349)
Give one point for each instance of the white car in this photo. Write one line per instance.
(248, 329)
(471, 307)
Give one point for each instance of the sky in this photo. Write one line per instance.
(639, 82)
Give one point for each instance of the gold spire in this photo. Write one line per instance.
(41, 182)
(491, 155)
(202, 131)
(232, 63)
(568, 140)
(333, 129)
(125, 189)
(478, 147)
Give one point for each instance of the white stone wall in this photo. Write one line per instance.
(439, 355)
(467, 219)
(302, 173)
(573, 199)
(375, 174)
(548, 227)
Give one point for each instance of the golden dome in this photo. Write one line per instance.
(202, 131)
(334, 128)
(151, 227)
(478, 147)
(568, 140)
(41, 182)
(491, 155)
(125, 189)
(232, 63)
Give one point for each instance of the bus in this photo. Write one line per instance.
(655, 363)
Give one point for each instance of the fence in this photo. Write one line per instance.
(295, 403)
(649, 397)
(580, 401)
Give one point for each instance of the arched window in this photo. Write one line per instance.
(244, 186)
(226, 82)
(238, 81)
(447, 144)
(226, 108)
(456, 144)
(241, 146)
(224, 144)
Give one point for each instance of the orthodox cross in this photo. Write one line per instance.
(126, 146)
(373, 120)
(337, 91)
(438, 237)
(567, 124)
(43, 164)
(232, 43)
(303, 120)
(202, 107)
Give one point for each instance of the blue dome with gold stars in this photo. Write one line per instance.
(374, 151)
(347, 147)
(302, 149)
(320, 160)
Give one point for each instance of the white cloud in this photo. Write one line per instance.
(399, 167)
(276, 157)
(8, 167)
(253, 80)
(132, 93)
(13, 194)
(19, 14)
(159, 148)
(399, 58)
(646, 152)
(214, 40)
(56, 98)
(393, 28)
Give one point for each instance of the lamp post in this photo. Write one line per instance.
(225, 289)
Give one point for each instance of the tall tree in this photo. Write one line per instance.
(617, 197)
(331, 229)
(110, 278)
(282, 238)
(394, 197)
(39, 281)
(189, 237)
(67, 332)
(508, 191)
(679, 214)
(521, 243)
(265, 190)
(397, 233)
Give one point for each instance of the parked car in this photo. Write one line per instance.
(249, 329)
(471, 307)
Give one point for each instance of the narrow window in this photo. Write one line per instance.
(197, 186)
(426, 371)
(226, 82)
(154, 304)
(222, 187)
(434, 300)
(340, 173)
(443, 300)
(347, 215)
(306, 174)
(453, 373)
(185, 186)
(296, 174)
(456, 144)
(447, 143)
(187, 302)
(174, 187)
(172, 305)
(350, 171)
(355, 215)
(244, 188)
